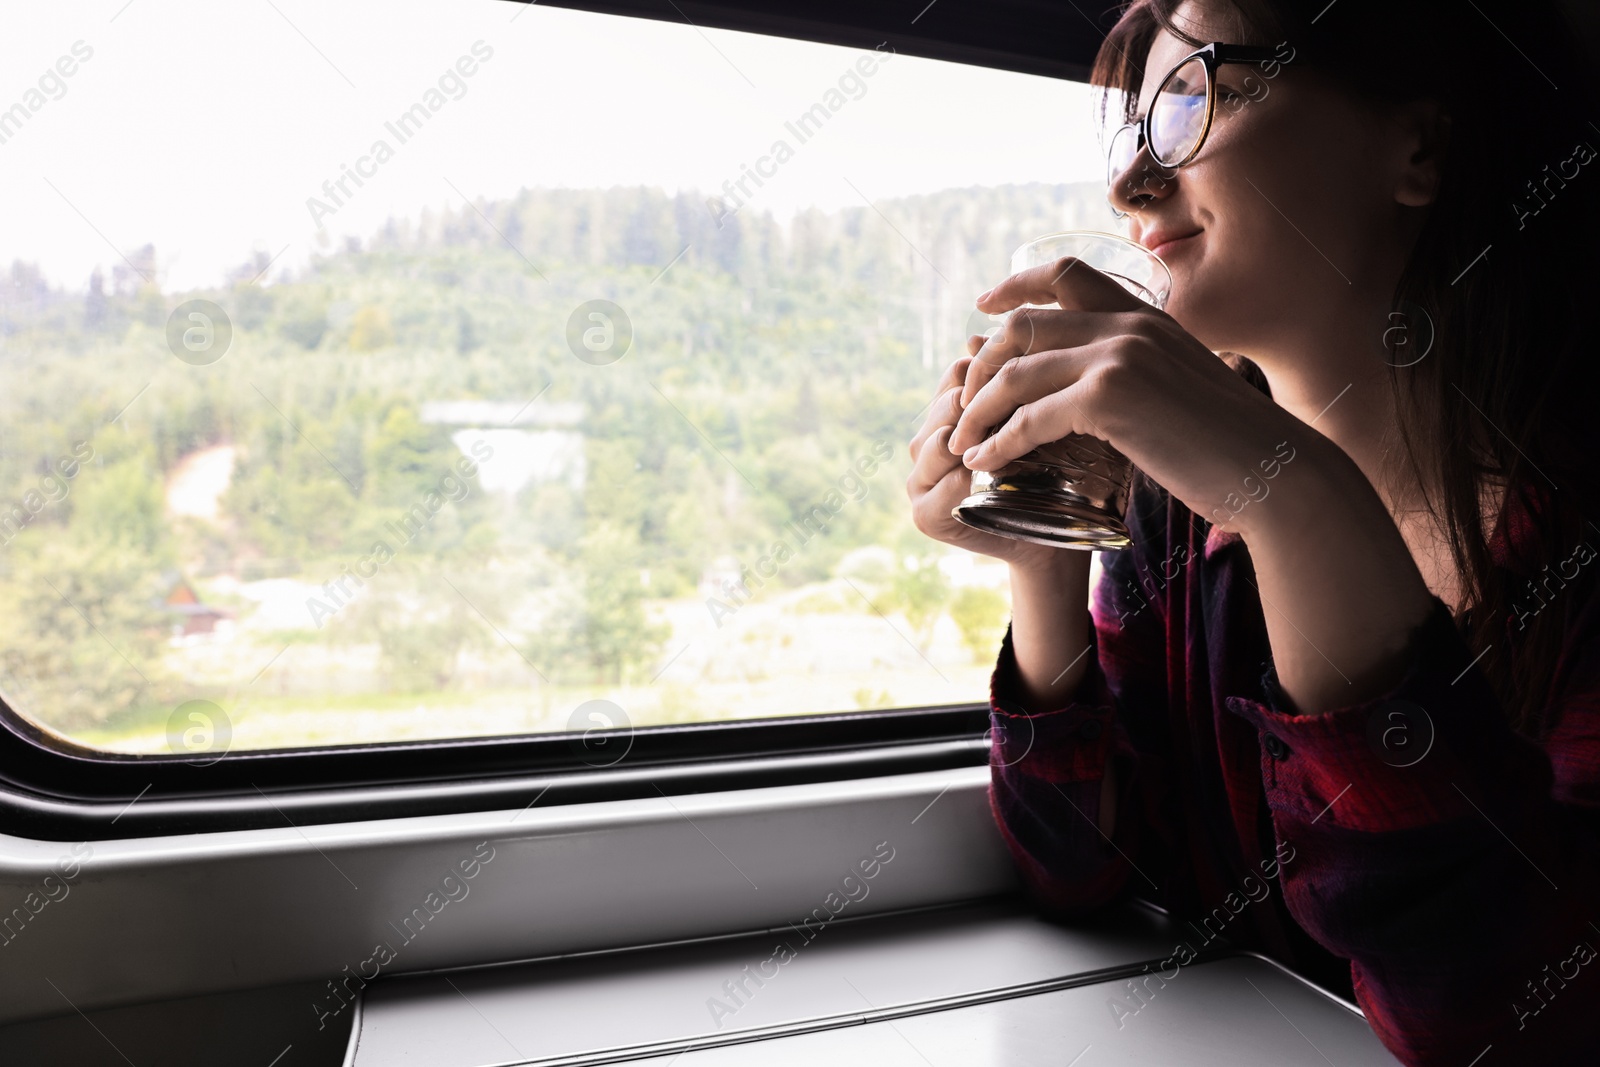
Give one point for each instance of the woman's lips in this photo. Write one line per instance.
(1169, 244)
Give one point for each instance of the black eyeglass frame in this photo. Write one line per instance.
(1211, 57)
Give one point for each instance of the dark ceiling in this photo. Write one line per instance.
(1056, 38)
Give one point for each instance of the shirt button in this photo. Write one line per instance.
(1275, 746)
(1089, 730)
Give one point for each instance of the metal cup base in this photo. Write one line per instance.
(1053, 520)
(1070, 493)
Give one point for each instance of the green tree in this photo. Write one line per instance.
(599, 632)
(370, 329)
(84, 628)
(421, 620)
(916, 587)
(284, 494)
(118, 503)
(466, 333)
(406, 458)
(918, 591)
(980, 614)
(306, 324)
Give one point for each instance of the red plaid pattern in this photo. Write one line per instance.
(1418, 852)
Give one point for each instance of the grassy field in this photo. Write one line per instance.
(806, 652)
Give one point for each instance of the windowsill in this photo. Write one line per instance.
(300, 903)
(980, 983)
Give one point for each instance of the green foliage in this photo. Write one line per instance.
(766, 362)
(867, 700)
(421, 622)
(599, 631)
(405, 459)
(919, 590)
(83, 628)
(118, 505)
(466, 334)
(304, 321)
(980, 614)
(290, 502)
(370, 329)
(81, 635)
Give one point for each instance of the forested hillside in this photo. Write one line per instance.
(766, 360)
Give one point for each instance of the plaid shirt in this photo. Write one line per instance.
(1411, 849)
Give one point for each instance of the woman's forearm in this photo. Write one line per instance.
(1340, 591)
(1050, 627)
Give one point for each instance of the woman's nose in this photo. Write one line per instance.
(1143, 181)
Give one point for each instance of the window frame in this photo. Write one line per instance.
(51, 787)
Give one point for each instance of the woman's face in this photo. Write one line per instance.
(1287, 220)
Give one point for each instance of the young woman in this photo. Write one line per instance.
(1340, 702)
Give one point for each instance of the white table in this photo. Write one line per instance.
(964, 986)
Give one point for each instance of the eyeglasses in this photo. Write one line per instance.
(1180, 114)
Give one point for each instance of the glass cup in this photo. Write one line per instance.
(1071, 493)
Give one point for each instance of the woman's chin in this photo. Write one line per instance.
(1201, 313)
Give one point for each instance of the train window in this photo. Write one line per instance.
(400, 370)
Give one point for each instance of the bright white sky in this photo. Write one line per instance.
(204, 125)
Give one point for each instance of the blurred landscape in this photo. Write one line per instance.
(411, 499)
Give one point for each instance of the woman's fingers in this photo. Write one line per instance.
(941, 413)
(1070, 282)
(975, 345)
(955, 374)
(1025, 379)
(1087, 298)
(933, 462)
(1039, 422)
(1029, 330)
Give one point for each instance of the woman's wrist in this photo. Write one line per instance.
(1340, 592)
(1304, 492)
(1049, 627)
(1050, 563)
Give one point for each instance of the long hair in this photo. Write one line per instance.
(1501, 276)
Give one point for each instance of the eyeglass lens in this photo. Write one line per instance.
(1178, 114)
(1177, 122)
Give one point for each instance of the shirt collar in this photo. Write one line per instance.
(1513, 544)
(1217, 539)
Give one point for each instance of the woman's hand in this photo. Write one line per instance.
(939, 482)
(1340, 591)
(1111, 366)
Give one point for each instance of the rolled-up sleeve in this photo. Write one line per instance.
(1048, 769)
(1047, 777)
(1451, 859)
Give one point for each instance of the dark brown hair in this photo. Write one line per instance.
(1504, 397)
